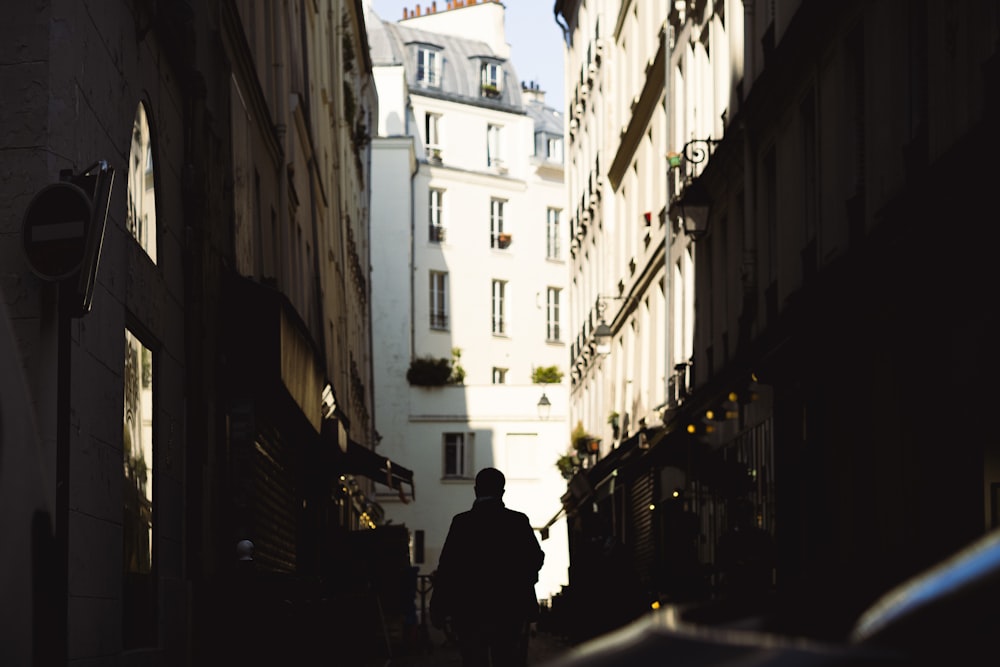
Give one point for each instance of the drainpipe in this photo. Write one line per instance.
(312, 173)
(749, 268)
(667, 222)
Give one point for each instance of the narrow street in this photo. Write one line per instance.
(542, 648)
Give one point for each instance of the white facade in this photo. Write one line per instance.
(629, 112)
(448, 275)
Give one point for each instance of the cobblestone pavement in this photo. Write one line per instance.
(542, 648)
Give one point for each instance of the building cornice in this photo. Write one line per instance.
(642, 112)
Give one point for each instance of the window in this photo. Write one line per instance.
(439, 300)
(458, 455)
(491, 79)
(435, 208)
(499, 324)
(494, 144)
(553, 149)
(432, 139)
(552, 313)
(552, 249)
(499, 375)
(139, 589)
(498, 238)
(140, 215)
(428, 67)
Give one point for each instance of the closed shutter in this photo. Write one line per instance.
(273, 502)
(641, 524)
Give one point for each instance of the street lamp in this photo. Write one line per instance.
(692, 206)
(544, 407)
(603, 333)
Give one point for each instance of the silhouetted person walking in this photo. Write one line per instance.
(485, 581)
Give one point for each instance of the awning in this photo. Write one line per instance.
(359, 460)
(348, 457)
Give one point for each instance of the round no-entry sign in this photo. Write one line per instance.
(54, 231)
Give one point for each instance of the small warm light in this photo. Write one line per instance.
(652, 506)
(709, 414)
(655, 605)
(709, 428)
(733, 396)
(753, 376)
(677, 493)
(691, 428)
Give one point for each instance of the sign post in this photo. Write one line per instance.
(63, 231)
(61, 235)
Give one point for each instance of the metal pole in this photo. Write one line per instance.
(667, 223)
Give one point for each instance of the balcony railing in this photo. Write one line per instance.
(439, 320)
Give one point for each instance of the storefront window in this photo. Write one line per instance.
(137, 495)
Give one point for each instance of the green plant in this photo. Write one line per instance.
(568, 464)
(582, 442)
(546, 375)
(457, 372)
(429, 371)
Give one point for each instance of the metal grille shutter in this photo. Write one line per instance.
(641, 525)
(273, 503)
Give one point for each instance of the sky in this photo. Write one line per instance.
(536, 40)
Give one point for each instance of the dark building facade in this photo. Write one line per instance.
(198, 362)
(843, 317)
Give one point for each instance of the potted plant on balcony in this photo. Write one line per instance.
(613, 421)
(490, 90)
(503, 240)
(546, 375)
(429, 371)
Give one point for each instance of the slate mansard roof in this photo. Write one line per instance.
(462, 60)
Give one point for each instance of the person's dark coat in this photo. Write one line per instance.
(488, 567)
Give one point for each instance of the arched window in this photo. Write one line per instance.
(141, 214)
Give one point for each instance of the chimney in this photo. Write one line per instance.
(417, 10)
(406, 13)
(434, 7)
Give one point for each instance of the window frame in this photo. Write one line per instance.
(498, 301)
(432, 135)
(499, 239)
(141, 184)
(491, 77)
(140, 620)
(553, 247)
(438, 300)
(494, 145)
(435, 214)
(428, 72)
(553, 327)
(462, 466)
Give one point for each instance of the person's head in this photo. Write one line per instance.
(489, 482)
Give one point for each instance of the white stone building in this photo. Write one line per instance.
(469, 254)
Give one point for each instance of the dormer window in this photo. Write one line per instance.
(428, 67)
(491, 79)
